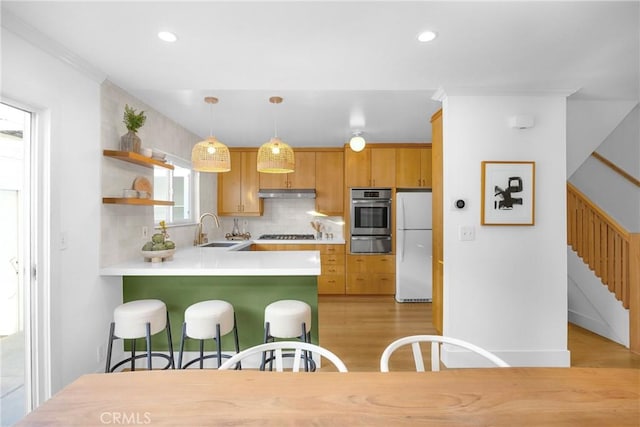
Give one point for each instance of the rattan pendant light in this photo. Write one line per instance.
(210, 155)
(275, 156)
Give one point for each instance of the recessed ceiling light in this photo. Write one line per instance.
(427, 36)
(167, 36)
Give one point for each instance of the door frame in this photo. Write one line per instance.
(35, 252)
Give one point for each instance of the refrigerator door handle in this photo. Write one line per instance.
(402, 240)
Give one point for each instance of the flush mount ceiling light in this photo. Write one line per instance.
(167, 36)
(357, 142)
(210, 155)
(275, 156)
(427, 36)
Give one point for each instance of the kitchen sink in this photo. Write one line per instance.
(219, 244)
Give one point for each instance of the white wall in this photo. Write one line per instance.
(614, 194)
(69, 102)
(121, 236)
(507, 289)
(622, 146)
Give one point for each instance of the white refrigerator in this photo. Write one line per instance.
(413, 247)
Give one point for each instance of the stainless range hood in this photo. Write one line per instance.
(307, 193)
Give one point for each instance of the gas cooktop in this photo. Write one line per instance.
(286, 237)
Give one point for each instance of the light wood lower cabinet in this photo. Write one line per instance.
(331, 280)
(371, 275)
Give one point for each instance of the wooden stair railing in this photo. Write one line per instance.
(610, 251)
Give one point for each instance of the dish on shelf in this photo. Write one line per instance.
(129, 194)
(143, 194)
(147, 152)
(156, 155)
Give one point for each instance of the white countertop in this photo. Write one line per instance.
(199, 261)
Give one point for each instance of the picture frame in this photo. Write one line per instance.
(508, 193)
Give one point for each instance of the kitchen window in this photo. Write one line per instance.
(176, 185)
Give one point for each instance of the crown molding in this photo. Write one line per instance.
(12, 23)
(440, 94)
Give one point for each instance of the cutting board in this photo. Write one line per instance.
(142, 184)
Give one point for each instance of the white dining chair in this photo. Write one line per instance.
(299, 350)
(436, 341)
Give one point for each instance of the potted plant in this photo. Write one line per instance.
(133, 121)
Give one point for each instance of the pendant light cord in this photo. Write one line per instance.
(275, 121)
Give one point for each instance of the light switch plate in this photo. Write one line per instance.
(466, 233)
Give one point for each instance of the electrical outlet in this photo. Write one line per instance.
(466, 233)
(145, 232)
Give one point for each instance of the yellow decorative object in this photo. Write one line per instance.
(276, 156)
(211, 155)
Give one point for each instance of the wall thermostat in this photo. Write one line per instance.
(458, 204)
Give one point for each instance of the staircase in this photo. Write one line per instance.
(613, 255)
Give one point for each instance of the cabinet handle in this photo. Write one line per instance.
(359, 260)
(331, 281)
(359, 279)
(332, 271)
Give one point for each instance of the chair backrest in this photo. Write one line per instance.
(277, 347)
(436, 341)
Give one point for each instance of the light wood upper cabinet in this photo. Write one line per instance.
(330, 182)
(413, 168)
(238, 188)
(304, 175)
(371, 167)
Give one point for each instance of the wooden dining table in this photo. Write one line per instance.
(461, 397)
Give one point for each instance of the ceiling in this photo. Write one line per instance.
(340, 66)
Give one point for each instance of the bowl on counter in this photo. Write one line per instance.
(158, 256)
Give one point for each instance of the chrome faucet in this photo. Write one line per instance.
(200, 236)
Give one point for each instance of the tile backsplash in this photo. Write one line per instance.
(281, 216)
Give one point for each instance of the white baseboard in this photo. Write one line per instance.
(546, 358)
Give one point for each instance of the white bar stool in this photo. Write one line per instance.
(287, 319)
(139, 319)
(208, 320)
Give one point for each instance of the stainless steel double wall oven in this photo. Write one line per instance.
(370, 210)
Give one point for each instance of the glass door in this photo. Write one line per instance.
(15, 223)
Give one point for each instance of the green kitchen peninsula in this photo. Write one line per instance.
(248, 280)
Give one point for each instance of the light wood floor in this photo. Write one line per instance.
(358, 328)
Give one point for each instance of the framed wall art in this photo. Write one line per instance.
(508, 193)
